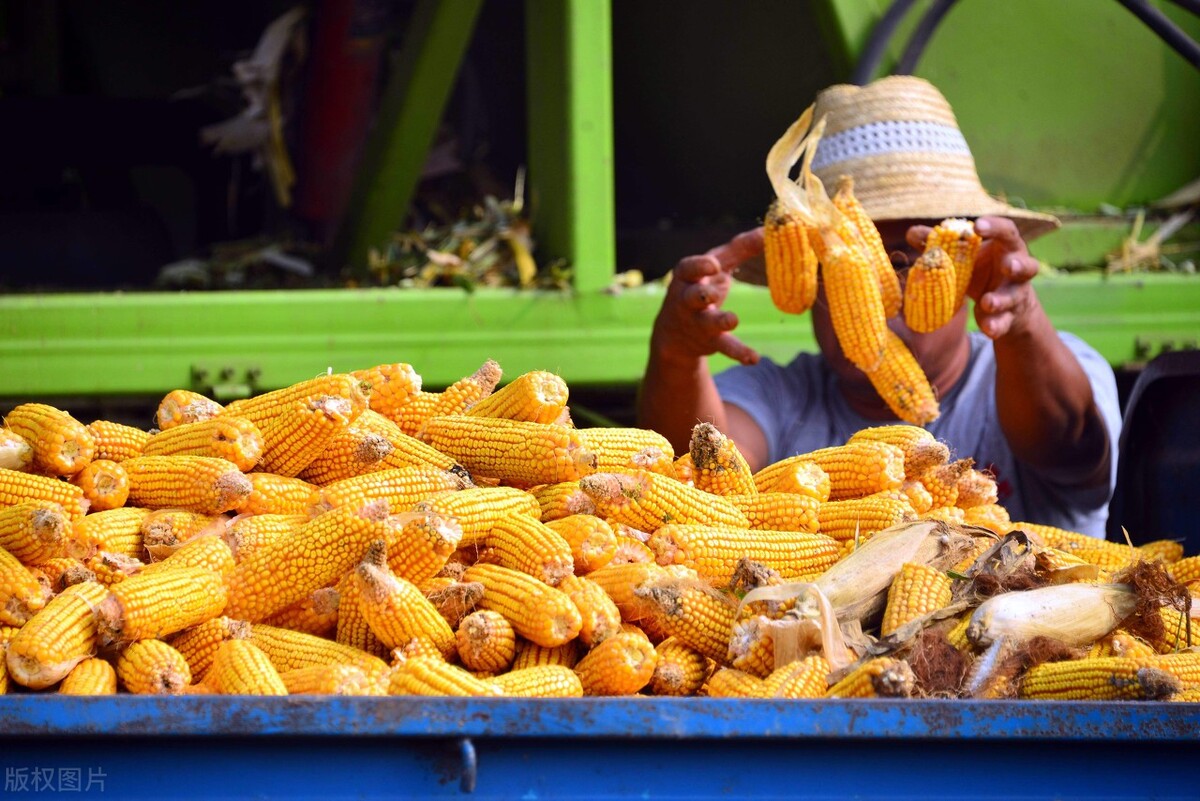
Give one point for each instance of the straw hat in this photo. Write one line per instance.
(899, 140)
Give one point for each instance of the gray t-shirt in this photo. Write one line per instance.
(800, 409)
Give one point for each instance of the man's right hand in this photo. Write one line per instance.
(691, 323)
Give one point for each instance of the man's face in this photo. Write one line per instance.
(933, 350)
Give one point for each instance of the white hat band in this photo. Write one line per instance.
(889, 137)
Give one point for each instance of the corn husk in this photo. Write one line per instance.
(1074, 614)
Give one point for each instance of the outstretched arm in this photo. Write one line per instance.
(677, 390)
(1043, 397)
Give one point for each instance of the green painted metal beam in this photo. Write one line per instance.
(130, 344)
(569, 88)
(405, 124)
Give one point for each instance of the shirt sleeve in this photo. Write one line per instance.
(770, 394)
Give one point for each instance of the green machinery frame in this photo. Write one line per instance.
(238, 342)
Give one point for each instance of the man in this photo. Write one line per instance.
(1037, 407)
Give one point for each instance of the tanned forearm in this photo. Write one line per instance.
(1045, 402)
(675, 395)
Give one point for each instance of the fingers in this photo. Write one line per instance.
(1001, 229)
(917, 235)
(735, 349)
(741, 248)
(693, 268)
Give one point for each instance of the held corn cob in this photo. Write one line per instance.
(958, 239)
(867, 235)
(902, 384)
(791, 262)
(62, 446)
(856, 307)
(930, 292)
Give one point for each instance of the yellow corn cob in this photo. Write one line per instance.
(1166, 551)
(16, 487)
(794, 476)
(779, 511)
(991, 516)
(902, 384)
(279, 573)
(856, 218)
(518, 452)
(854, 469)
(114, 531)
(1104, 679)
(917, 590)
(394, 608)
(453, 599)
(261, 409)
(327, 680)
(289, 650)
(486, 641)
(1177, 631)
(159, 603)
(714, 552)
(1107, 555)
(1122, 643)
(976, 488)
(1184, 666)
(112, 568)
(942, 481)
(684, 470)
(151, 667)
(392, 386)
(62, 445)
(804, 678)
(630, 550)
(646, 501)
(242, 668)
(530, 654)
(563, 499)
(34, 532)
(416, 648)
(538, 612)
(469, 390)
(950, 514)
(621, 582)
(105, 485)
(731, 683)
(616, 447)
(199, 643)
(1185, 570)
(301, 432)
(352, 628)
(862, 517)
(116, 442)
(679, 670)
(209, 552)
(20, 593)
(406, 450)
(541, 681)
(855, 306)
(914, 493)
(234, 439)
(165, 531)
(15, 451)
(601, 618)
(752, 646)
(653, 460)
(881, 677)
(621, 665)
(197, 483)
(717, 465)
(90, 677)
(524, 543)
(435, 677)
(63, 572)
(958, 238)
(401, 487)
(922, 450)
(248, 534)
(791, 262)
(697, 615)
(591, 539)
(57, 638)
(272, 494)
(350, 453)
(182, 406)
(419, 408)
(478, 510)
(421, 544)
(957, 635)
(930, 294)
(981, 546)
(535, 397)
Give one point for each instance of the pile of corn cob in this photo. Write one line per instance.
(354, 534)
(805, 232)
